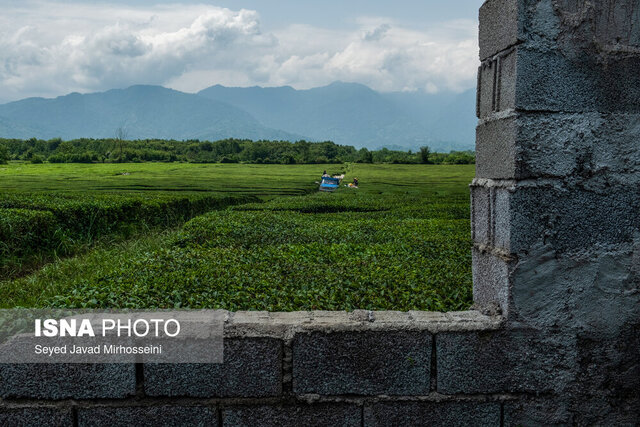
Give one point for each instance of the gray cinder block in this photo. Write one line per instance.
(533, 145)
(481, 214)
(252, 367)
(486, 88)
(63, 381)
(504, 361)
(551, 81)
(319, 414)
(496, 148)
(497, 84)
(432, 414)
(161, 416)
(569, 218)
(500, 26)
(537, 411)
(491, 282)
(36, 417)
(364, 363)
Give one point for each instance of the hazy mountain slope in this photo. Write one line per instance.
(143, 111)
(351, 113)
(14, 129)
(450, 118)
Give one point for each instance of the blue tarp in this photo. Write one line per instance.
(329, 184)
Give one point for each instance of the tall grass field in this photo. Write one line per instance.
(235, 236)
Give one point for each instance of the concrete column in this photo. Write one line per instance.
(556, 198)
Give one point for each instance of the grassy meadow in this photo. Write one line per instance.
(235, 236)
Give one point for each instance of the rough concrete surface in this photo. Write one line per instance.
(432, 414)
(362, 363)
(294, 415)
(62, 381)
(504, 361)
(157, 416)
(252, 367)
(36, 417)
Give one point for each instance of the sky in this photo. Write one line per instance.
(52, 48)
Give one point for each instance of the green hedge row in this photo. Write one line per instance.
(36, 223)
(337, 251)
(21, 229)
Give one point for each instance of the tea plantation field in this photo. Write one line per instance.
(268, 242)
(52, 210)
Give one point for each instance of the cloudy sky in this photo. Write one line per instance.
(51, 48)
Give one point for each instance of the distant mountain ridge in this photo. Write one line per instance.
(352, 113)
(142, 111)
(346, 113)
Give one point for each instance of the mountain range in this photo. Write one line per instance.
(346, 113)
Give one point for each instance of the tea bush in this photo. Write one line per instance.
(322, 251)
(33, 224)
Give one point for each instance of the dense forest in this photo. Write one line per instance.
(114, 150)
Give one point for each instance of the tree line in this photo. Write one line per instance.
(118, 150)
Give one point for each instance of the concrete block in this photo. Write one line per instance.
(535, 145)
(529, 79)
(572, 218)
(322, 317)
(504, 361)
(486, 88)
(434, 317)
(590, 291)
(320, 414)
(497, 84)
(36, 417)
(490, 282)
(506, 81)
(603, 411)
(569, 217)
(610, 363)
(496, 149)
(64, 381)
(551, 81)
(432, 414)
(362, 363)
(585, 144)
(500, 26)
(612, 25)
(501, 219)
(537, 411)
(481, 214)
(252, 367)
(569, 26)
(389, 317)
(165, 416)
(244, 317)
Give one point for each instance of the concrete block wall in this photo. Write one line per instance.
(556, 198)
(313, 368)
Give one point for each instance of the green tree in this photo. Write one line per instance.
(424, 154)
(37, 159)
(4, 154)
(365, 156)
(121, 135)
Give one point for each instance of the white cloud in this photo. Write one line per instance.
(51, 49)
